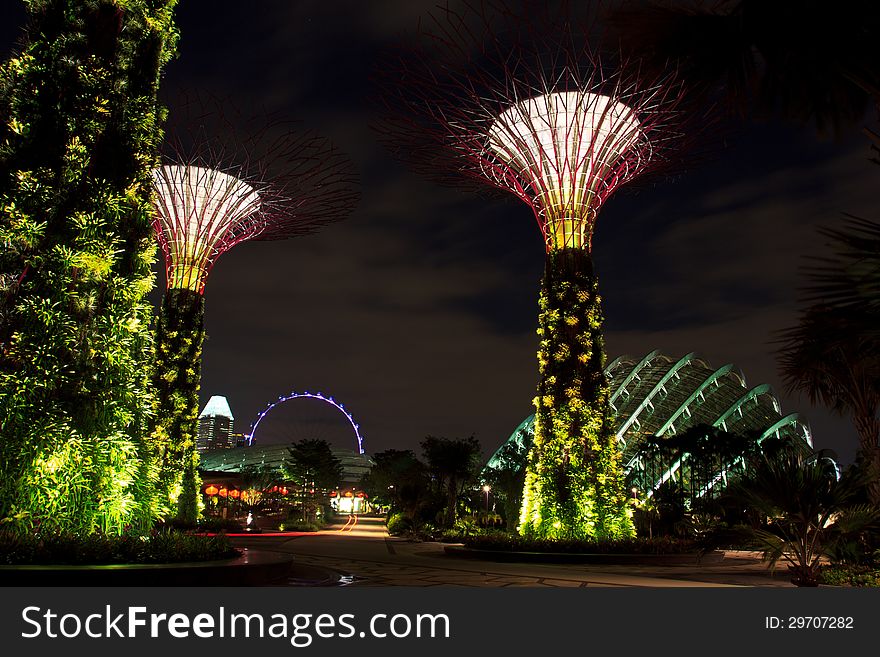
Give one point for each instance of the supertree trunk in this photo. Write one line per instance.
(574, 480)
(180, 334)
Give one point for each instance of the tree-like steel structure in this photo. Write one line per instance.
(209, 197)
(522, 103)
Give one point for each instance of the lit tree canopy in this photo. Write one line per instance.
(211, 197)
(527, 105)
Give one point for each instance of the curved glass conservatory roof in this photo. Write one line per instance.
(658, 395)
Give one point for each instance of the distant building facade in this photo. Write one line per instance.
(215, 425)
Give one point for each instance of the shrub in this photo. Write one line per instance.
(299, 526)
(399, 523)
(220, 525)
(60, 548)
(850, 575)
(513, 543)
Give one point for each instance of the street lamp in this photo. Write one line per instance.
(486, 490)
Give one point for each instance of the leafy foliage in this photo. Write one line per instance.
(833, 353)
(180, 335)
(63, 547)
(453, 464)
(508, 478)
(702, 451)
(809, 512)
(850, 575)
(399, 523)
(312, 465)
(79, 135)
(574, 480)
(512, 543)
(399, 478)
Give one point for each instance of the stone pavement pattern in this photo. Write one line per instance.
(366, 556)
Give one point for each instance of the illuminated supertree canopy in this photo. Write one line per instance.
(273, 185)
(523, 103)
(201, 209)
(210, 196)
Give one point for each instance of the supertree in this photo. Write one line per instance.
(80, 128)
(212, 193)
(521, 102)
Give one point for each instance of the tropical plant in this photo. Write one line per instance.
(808, 511)
(254, 481)
(398, 478)
(834, 358)
(80, 127)
(453, 465)
(848, 279)
(507, 475)
(788, 57)
(314, 468)
(399, 523)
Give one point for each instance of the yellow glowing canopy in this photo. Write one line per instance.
(565, 146)
(198, 209)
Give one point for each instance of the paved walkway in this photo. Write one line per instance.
(366, 555)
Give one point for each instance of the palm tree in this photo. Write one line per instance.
(830, 357)
(254, 481)
(849, 280)
(808, 510)
(791, 58)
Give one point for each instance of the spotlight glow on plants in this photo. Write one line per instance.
(208, 198)
(525, 105)
(79, 127)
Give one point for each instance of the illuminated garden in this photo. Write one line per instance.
(119, 194)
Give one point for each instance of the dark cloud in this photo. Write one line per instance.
(419, 311)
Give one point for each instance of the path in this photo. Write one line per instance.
(363, 550)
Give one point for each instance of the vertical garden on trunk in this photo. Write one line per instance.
(80, 128)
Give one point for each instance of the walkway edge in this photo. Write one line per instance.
(716, 556)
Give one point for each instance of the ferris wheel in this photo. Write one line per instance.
(311, 415)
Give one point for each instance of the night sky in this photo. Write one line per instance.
(419, 311)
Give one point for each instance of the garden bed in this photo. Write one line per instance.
(248, 568)
(64, 548)
(499, 546)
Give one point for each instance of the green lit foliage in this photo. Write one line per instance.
(79, 136)
(62, 547)
(574, 478)
(180, 335)
(314, 468)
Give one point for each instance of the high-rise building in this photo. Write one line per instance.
(215, 425)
